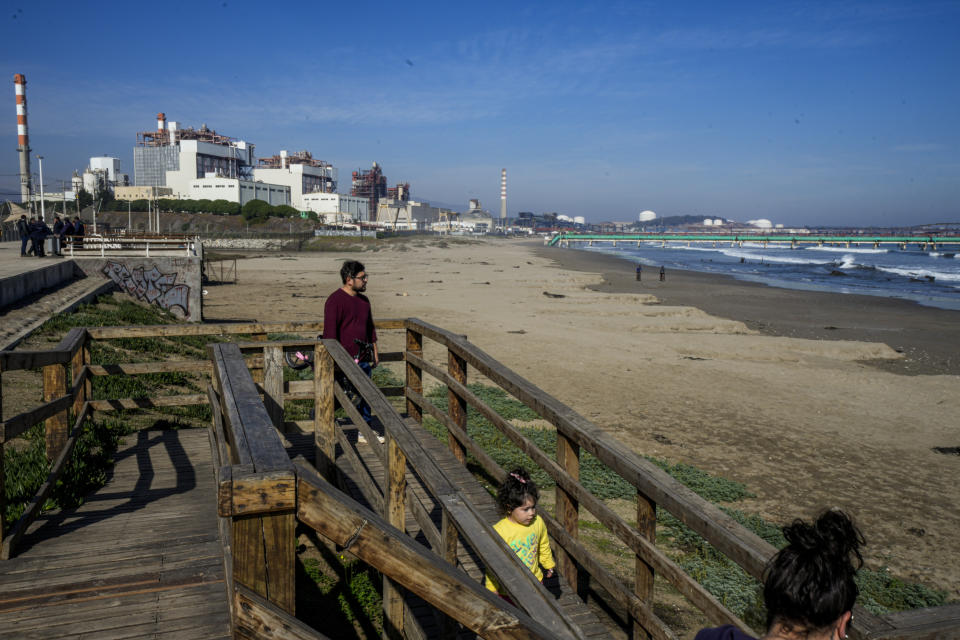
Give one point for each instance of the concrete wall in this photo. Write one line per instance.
(22, 285)
(171, 283)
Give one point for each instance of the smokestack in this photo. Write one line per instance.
(283, 159)
(23, 139)
(503, 198)
(172, 128)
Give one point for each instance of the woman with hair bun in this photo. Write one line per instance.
(808, 586)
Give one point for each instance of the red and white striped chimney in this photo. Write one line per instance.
(161, 122)
(23, 137)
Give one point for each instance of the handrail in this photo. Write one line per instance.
(502, 562)
(729, 536)
(36, 504)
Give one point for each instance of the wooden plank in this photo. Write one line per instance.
(414, 375)
(728, 536)
(273, 385)
(20, 360)
(643, 572)
(137, 368)
(147, 403)
(56, 427)
(930, 623)
(259, 619)
(369, 537)
(368, 433)
(247, 418)
(280, 545)
(567, 508)
(264, 492)
(220, 329)
(395, 513)
(23, 421)
(372, 493)
(79, 370)
(457, 406)
(324, 426)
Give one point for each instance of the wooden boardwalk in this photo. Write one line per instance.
(141, 558)
(581, 613)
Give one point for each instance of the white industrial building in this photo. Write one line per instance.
(396, 214)
(300, 171)
(336, 207)
(200, 164)
(237, 190)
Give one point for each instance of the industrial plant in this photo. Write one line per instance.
(176, 162)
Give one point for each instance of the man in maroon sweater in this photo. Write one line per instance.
(347, 318)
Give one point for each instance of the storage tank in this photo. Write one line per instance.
(579, 220)
(647, 216)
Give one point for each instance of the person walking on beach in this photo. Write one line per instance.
(348, 319)
(639, 271)
(663, 274)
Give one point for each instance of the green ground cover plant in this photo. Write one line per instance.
(880, 592)
(27, 467)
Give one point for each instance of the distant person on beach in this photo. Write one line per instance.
(808, 586)
(522, 529)
(639, 271)
(348, 318)
(663, 274)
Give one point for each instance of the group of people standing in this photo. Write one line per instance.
(36, 231)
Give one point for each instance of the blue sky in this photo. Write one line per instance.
(800, 112)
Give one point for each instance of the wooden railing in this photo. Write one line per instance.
(262, 495)
(261, 492)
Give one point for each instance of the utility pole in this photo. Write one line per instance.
(43, 210)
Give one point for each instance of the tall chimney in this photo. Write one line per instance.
(503, 198)
(23, 139)
(161, 126)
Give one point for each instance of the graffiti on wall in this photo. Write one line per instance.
(151, 286)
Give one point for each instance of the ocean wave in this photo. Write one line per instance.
(847, 249)
(746, 255)
(945, 276)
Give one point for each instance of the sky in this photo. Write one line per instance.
(805, 113)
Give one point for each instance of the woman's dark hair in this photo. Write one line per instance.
(515, 490)
(350, 269)
(809, 583)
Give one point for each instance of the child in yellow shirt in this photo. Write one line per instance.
(522, 528)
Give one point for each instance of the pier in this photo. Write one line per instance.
(931, 242)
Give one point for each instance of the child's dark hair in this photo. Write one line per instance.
(809, 583)
(515, 489)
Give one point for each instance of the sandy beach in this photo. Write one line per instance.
(812, 400)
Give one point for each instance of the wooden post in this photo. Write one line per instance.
(273, 384)
(394, 507)
(324, 424)
(448, 538)
(457, 367)
(55, 386)
(643, 580)
(568, 508)
(414, 374)
(88, 385)
(257, 372)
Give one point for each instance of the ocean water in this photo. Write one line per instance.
(931, 278)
